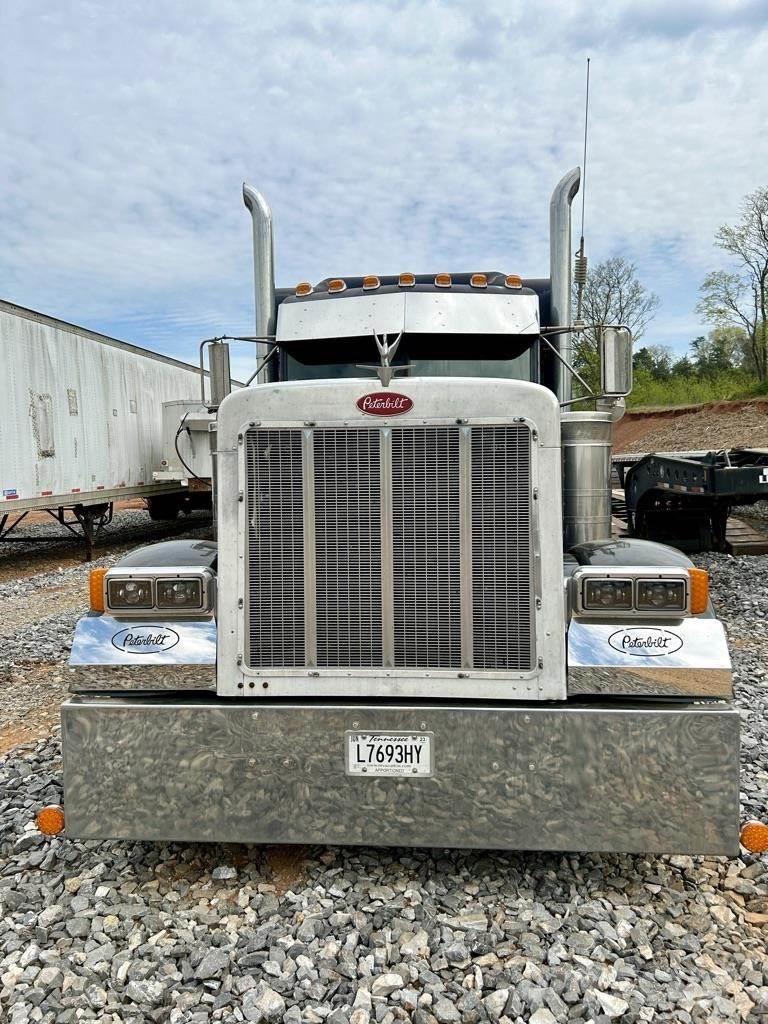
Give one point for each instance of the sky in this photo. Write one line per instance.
(386, 136)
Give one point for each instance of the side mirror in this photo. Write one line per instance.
(615, 362)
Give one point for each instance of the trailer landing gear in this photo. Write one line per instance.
(88, 522)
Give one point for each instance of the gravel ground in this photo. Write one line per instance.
(120, 931)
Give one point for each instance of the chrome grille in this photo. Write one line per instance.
(347, 498)
(501, 548)
(275, 516)
(415, 542)
(426, 547)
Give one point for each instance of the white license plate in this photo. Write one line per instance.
(389, 753)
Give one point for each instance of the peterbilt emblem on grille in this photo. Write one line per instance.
(384, 404)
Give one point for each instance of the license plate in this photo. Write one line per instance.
(389, 753)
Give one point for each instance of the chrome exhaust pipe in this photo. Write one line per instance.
(560, 260)
(263, 266)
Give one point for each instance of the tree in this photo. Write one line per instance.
(684, 367)
(655, 360)
(740, 298)
(612, 295)
(722, 349)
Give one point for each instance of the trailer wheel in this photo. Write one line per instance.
(163, 509)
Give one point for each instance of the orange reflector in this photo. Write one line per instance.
(305, 288)
(407, 280)
(513, 281)
(337, 285)
(754, 837)
(443, 280)
(699, 590)
(479, 281)
(50, 820)
(96, 588)
(371, 281)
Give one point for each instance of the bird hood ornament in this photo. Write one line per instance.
(387, 353)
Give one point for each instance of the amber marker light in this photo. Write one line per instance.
(479, 281)
(370, 281)
(513, 281)
(96, 588)
(50, 820)
(337, 285)
(305, 288)
(407, 280)
(699, 590)
(754, 836)
(443, 280)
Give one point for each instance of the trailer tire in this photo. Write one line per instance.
(163, 509)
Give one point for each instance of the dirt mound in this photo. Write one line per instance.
(693, 428)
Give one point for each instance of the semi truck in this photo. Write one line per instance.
(414, 626)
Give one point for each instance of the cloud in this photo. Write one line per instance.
(386, 136)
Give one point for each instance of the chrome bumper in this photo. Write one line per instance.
(611, 777)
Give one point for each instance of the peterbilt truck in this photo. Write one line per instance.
(414, 626)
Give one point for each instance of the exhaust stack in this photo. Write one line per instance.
(263, 267)
(560, 272)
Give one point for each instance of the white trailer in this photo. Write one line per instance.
(82, 419)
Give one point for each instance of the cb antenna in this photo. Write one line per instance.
(580, 269)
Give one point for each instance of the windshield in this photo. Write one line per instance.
(521, 366)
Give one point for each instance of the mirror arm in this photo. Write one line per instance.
(579, 378)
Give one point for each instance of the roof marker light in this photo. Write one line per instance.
(443, 280)
(305, 288)
(337, 285)
(370, 281)
(407, 280)
(513, 281)
(479, 281)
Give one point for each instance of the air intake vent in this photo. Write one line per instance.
(501, 548)
(403, 548)
(347, 498)
(275, 548)
(426, 547)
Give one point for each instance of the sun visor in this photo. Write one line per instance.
(415, 313)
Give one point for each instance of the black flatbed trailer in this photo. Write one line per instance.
(685, 498)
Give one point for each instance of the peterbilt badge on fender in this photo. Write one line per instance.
(389, 404)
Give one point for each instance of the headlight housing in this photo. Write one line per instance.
(174, 591)
(639, 592)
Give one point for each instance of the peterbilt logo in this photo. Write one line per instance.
(145, 639)
(389, 404)
(645, 641)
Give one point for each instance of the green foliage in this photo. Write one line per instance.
(683, 389)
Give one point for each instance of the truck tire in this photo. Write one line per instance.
(163, 509)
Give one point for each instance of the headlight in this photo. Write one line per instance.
(641, 591)
(607, 594)
(179, 593)
(129, 593)
(179, 590)
(664, 595)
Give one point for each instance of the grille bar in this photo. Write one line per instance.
(502, 570)
(348, 548)
(275, 543)
(404, 547)
(426, 547)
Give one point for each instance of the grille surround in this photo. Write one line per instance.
(418, 635)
